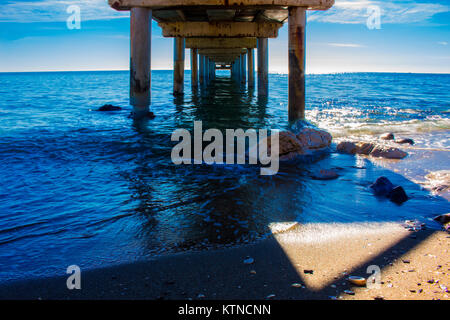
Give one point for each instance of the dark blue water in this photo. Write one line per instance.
(94, 189)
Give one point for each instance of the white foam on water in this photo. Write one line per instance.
(324, 232)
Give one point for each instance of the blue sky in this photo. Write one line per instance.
(414, 37)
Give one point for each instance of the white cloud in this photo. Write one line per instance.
(55, 11)
(346, 45)
(356, 12)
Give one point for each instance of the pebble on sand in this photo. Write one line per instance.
(349, 292)
(358, 281)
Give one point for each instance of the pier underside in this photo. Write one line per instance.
(222, 34)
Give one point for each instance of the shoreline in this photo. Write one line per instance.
(278, 263)
(332, 250)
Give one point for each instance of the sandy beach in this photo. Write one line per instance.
(414, 265)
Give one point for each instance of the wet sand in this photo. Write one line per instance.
(331, 251)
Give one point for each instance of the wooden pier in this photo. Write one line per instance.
(221, 34)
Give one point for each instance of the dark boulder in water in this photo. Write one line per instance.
(382, 186)
(443, 218)
(325, 174)
(398, 195)
(406, 140)
(109, 107)
(148, 115)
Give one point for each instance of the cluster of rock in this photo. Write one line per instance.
(306, 142)
(383, 187)
(390, 136)
(372, 149)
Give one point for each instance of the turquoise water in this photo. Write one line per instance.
(94, 189)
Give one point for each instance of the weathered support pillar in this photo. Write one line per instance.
(206, 70)
(297, 24)
(232, 71)
(202, 69)
(251, 68)
(263, 66)
(178, 68)
(210, 70)
(194, 68)
(243, 69)
(140, 59)
(238, 69)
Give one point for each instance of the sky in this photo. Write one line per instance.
(411, 36)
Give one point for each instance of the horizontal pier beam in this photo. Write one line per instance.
(223, 59)
(222, 51)
(220, 43)
(220, 29)
(161, 4)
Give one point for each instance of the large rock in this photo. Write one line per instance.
(405, 140)
(364, 148)
(109, 107)
(305, 142)
(398, 195)
(347, 147)
(382, 186)
(443, 218)
(325, 174)
(372, 149)
(314, 139)
(388, 152)
(288, 143)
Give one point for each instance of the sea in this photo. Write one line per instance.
(96, 189)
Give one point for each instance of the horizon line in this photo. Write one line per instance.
(270, 72)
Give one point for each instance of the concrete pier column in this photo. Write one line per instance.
(243, 69)
(140, 58)
(232, 72)
(263, 66)
(202, 69)
(297, 24)
(194, 68)
(178, 66)
(238, 69)
(207, 70)
(251, 68)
